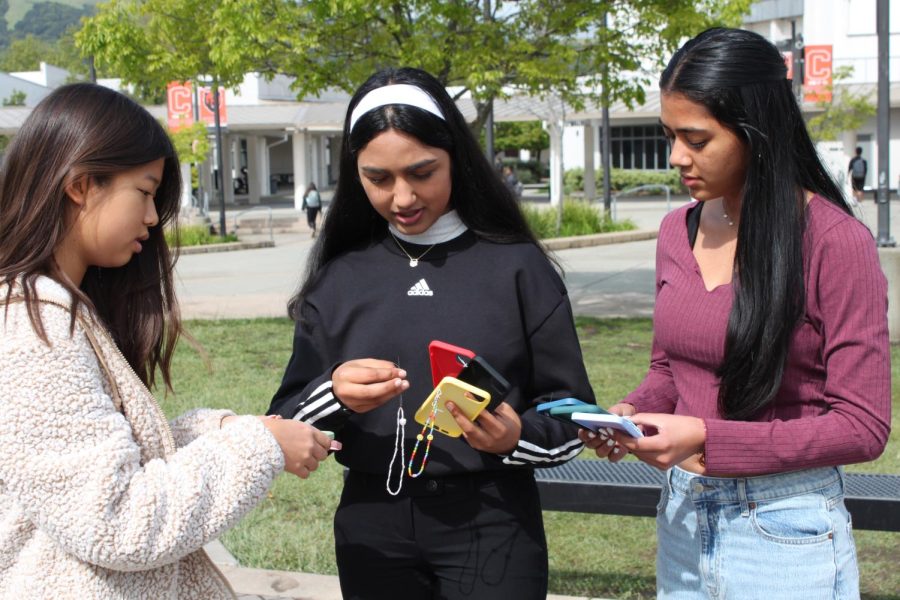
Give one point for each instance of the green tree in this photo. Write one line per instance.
(191, 143)
(149, 43)
(26, 54)
(846, 111)
(516, 135)
(527, 46)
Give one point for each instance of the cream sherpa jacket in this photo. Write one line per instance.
(102, 503)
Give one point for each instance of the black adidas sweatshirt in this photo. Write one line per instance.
(504, 302)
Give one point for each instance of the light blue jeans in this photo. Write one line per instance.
(785, 536)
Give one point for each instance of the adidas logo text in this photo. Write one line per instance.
(420, 289)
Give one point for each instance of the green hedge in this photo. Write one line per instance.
(578, 218)
(196, 235)
(623, 179)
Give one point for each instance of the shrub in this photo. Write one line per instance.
(196, 235)
(578, 218)
(623, 179)
(573, 180)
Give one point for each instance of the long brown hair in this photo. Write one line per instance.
(85, 131)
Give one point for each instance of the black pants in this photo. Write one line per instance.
(474, 537)
(311, 213)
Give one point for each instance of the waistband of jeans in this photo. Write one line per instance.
(761, 487)
(436, 486)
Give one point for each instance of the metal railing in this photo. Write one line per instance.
(268, 209)
(643, 188)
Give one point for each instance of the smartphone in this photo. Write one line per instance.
(470, 400)
(564, 413)
(482, 375)
(597, 421)
(447, 360)
(544, 407)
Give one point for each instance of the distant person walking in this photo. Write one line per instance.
(858, 169)
(312, 204)
(512, 182)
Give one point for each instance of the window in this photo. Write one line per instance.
(639, 147)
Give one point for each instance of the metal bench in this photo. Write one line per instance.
(632, 488)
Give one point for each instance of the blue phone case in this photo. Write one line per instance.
(546, 406)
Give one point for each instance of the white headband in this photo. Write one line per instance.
(399, 93)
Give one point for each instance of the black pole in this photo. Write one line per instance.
(883, 197)
(220, 157)
(797, 64)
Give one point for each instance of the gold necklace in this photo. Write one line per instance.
(725, 216)
(413, 260)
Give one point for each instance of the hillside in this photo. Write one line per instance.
(18, 8)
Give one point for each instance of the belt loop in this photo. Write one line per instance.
(742, 496)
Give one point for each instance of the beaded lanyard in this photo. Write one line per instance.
(399, 437)
(429, 427)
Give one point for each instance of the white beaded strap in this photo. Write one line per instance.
(399, 435)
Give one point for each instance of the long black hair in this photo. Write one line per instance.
(84, 131)
(741, 79)
(484, 204)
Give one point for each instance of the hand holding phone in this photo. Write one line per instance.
(470, 400)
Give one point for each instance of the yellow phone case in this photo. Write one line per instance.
(454, 390)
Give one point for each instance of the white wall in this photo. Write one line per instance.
(849, 26)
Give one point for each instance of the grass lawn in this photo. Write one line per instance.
(590, 555)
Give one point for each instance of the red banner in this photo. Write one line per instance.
(180, 105)
(789, 63)
(207, 107)
(817, 62)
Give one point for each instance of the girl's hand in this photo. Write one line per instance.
(303, 445)
(676, 438)
(496, 432)
(367, 383)
(604, 441)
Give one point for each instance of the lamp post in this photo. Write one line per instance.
(883, 197)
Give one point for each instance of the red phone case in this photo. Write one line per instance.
(444, 362)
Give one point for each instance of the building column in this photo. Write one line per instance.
(315, 159)
(257, 173)
(301, 173)
(555, 129)
(322, 175)
(225, 175)
(185, 187)
(590, 179)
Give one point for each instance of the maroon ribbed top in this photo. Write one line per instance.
(834, 404)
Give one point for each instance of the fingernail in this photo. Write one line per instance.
(610, 443)
(616, 450)
(402, 373)
(609, 431)
(603, 437)
(591, 435)
(335, 446)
